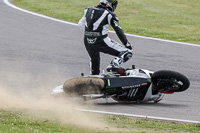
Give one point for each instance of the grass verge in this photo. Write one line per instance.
(170, 19)
(20, 122)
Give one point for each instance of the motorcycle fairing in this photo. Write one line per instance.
(134, 88)
(124, 82)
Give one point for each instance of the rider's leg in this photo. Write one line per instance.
(122, 53)
(95, 64)
(94, 59)
(107, 46)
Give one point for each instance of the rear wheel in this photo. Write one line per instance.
(82, 86)
(169, 81)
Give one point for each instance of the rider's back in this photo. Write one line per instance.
(98, 20)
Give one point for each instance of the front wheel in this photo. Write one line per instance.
(169, 81)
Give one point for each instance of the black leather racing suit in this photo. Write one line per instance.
(95, 22)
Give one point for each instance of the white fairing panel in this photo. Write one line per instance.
(145, 74)
(138, 73)
(150, 97)
(58, 90)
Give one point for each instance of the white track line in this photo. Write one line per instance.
(62, 21)
(36, 14)
(138, 116)
(103, 112)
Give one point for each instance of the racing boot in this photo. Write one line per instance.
(117, 61)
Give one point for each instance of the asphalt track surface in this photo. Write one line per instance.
(36, 51)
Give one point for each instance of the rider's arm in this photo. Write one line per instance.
(120, 33)
(82, 21)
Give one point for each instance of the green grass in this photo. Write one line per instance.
(22, 122)
(152, 125)
(177, 20)
(17, 121)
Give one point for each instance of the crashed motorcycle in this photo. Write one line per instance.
(125, 85)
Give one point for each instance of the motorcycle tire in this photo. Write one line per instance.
(170, 81)
(83, 86)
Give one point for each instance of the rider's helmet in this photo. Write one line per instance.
(110, 4)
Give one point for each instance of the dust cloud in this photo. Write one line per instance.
(38, 98)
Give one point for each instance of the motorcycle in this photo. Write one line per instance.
(125, 85)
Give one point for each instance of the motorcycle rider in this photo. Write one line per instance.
(95, 22)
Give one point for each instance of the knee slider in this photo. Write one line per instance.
(127, 56)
